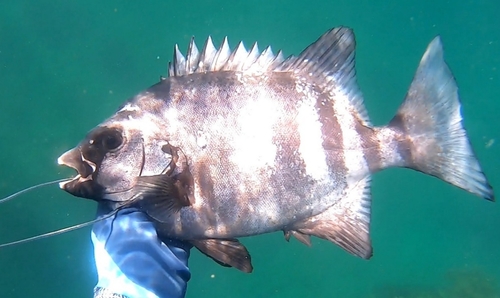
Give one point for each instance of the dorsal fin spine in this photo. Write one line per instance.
(221, 56)
(193, 57)
(207, 55)
(179, 61)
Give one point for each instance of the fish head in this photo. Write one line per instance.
(113, 155)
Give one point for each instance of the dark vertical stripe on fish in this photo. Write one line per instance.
(371, 146)
(332, 139)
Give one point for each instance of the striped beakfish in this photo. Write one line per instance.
(242, 142)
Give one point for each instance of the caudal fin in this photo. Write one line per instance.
(429, 125)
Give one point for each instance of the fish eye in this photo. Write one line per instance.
(101, 141)
(110, 140)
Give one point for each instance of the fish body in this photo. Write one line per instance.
(240, 143)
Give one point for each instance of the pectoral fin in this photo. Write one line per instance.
(226, 252)
(160, 195)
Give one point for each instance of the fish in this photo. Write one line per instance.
(237, 143)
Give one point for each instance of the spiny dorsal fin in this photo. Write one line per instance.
(330, 59)
(222, 59)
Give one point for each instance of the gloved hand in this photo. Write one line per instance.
(132, 261)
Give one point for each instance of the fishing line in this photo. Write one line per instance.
(31, 188)
(53, 233)
(61, 231)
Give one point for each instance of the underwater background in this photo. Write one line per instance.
(67, 65)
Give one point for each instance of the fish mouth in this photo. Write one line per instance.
(83, 184)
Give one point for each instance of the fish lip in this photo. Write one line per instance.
(83, 185)
(64, 184)
(84, 168)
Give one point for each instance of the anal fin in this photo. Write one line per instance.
(304, 238)
(226, 252)
(346, 223)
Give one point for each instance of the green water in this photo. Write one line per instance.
(65, 67)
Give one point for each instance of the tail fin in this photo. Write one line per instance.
(430, 125)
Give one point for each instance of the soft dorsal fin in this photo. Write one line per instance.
(332, 59)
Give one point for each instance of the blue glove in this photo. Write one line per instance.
(132, 261)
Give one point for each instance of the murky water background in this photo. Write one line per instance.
(67, 65)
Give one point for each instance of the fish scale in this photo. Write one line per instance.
(232, 170)
(240, 143)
